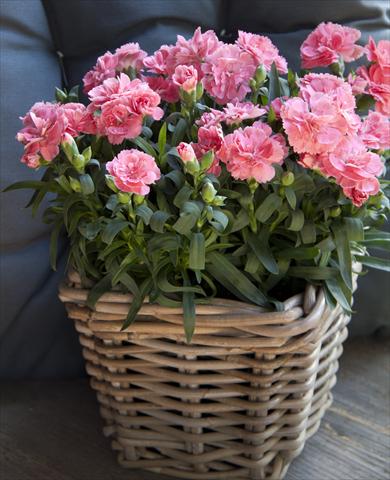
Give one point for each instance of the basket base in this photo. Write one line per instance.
(238, 403)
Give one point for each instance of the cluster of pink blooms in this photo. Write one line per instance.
(320, 122)
(224, 69)
(329, 43)
(46, 125)
(117, 110)
(118, 107)
(375, 80)
(110, 64)
(323, 128)
(248, 152)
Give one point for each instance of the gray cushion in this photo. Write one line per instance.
(36, 340)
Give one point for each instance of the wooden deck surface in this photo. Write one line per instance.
(51, 430)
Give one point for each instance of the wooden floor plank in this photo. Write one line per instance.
(52, 430)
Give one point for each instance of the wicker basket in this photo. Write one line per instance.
(237, 403)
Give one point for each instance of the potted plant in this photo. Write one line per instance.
(219, 207)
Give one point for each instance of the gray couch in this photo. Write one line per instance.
(36, 339)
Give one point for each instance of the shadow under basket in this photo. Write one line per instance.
(237, 403)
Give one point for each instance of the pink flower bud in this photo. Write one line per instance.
(186, 152)
(185, 77)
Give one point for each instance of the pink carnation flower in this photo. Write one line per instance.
(358, 84)
(352, 166)
(75, 115)
(235, 113)
(227, 73)
(262, 50)
(118, 122)
(105, 67)
(44, 127)
(196, 49)
(329, 42)
(144, 101)
(319, 120)
(211, 118)
(186, 152)
(379, 54)
(109, 65)
(30, 157)
(250, 152)
(185, 77)
(209, 139)
(378, 86)
(375, 131)
(277, 104)
(354, 169)
(121, 104)
(133, 171)
(163, 61)
(232, 114)
(130, 56)
(168, 91)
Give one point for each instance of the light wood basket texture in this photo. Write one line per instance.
(237, 403)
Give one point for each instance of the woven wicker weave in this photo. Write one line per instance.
(237, 403)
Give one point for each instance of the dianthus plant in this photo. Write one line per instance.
(211, 169)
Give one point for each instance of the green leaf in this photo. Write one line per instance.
(260, 247)
(197, 252)
(233, 279)
(241, 220)
(189, 312)
(144, 212)
(167, 287)
(167, 242)
(300, 253)
(180, 130)
(273, 84)
(144, 146)
(308, 232)
(191, 211)
(284, 87)
(162, 139)
(101, 287)
(271, 203)
(34, 184)
(335, 288)
(379, 243)
(354, 229)
(112, 229)
(376, 235)
(137, 302)
(326, 245)
(157, 221)
(185, 223)
(182, 196)
(89, 230)
(54, 242)
(220, 221)
(177, 177)
(297, 221)
(291, 197)
(46, 179)
(303, 183)
(374, 262)
(343, 252)
(312, 273)
(64, 183)
(36, 200)
(207, 160)
(87, 185)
